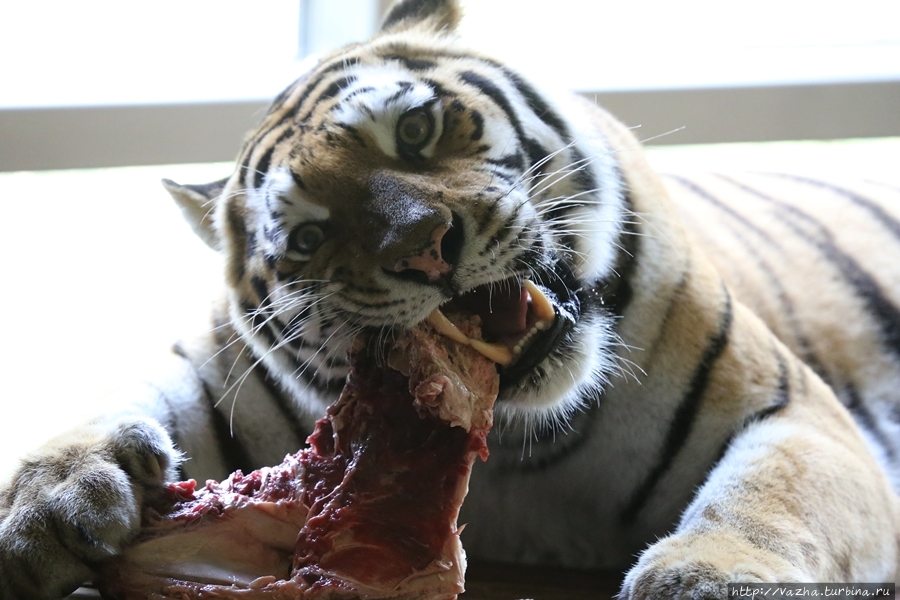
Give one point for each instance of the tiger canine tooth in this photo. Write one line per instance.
(543, 310)
(497, 353)
(442, 325)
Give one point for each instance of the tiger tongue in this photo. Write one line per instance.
(503, 308)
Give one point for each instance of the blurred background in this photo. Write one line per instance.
(99, 99)
(102, 82)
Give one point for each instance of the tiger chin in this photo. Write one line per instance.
(698, 371)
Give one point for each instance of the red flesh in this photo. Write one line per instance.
(367, 511)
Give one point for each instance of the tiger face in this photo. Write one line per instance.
(402, 180)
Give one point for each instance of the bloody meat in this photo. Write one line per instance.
(367, 511)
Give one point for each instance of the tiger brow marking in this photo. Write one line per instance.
(293, 109)
(333, 89)
(809, 355)
(685, 413)
(261, 168)
(866, 287)
(339, 63)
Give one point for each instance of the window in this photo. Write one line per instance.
(84, 80)
(658, 44)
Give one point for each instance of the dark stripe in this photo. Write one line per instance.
(233, 451)
(438, 89)
(542, 110)
(583, 177)
(412, 9)
(281, 98)
(286, 406)
(354, 133)
(357, 92)
(617, 292)
(487, 217)
(252, 245)
(478, 124)
(513, 162)
(864, 285)
(404, 86)
(874, 209)
(333, 89)
(686, 413)
(239, 234)
(339, 63)
(261, 288)
(413, 64)
(778, 403)
(538, 105)
(705, 195)
(808, 355)
(497, 173)
(299, 343)
(298, 181)
(262, 167)
(485, 86)
(866, 420)
(258, 321)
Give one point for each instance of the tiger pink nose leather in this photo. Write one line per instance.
(429, 260)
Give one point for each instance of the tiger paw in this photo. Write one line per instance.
(701, 567)
(74, 502)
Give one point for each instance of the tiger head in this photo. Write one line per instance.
(408, 178)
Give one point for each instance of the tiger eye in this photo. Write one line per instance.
(414, 128)
(307, 238)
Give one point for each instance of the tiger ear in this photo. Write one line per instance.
(196, 203)
(429, 15)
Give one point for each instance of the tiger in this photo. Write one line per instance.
(699, 372)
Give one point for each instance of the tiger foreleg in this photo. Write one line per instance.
(75, 501)
(775, 510)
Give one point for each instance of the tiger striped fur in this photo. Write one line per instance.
(719, 394)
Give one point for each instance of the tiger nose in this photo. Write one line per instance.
(431, 260)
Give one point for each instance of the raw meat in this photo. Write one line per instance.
(367, 511)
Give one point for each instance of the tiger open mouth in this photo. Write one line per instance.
(522, 322)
